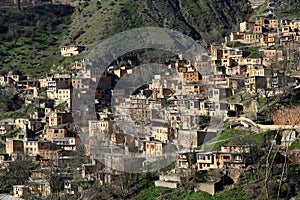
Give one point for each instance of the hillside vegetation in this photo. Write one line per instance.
(6, 2)
(30, 38)
(202, 19)
(280, 8)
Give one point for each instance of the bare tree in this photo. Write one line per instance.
(19, 5)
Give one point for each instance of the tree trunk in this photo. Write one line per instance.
(19, 5)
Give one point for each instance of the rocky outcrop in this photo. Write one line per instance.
(234, 174)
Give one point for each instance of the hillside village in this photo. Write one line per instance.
(254, 69)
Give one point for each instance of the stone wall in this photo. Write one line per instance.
(165, 184)
(168, 180)
(205, 187)
(169, 177)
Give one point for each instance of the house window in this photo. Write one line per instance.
(201, 157)
(226, 157)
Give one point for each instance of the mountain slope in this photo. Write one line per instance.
(279, 8)
(30, 39)
(201, 19)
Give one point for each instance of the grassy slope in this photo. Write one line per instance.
(281, 9)
(30, 39)
(236, 137)
(201, 19)
(180, 193)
